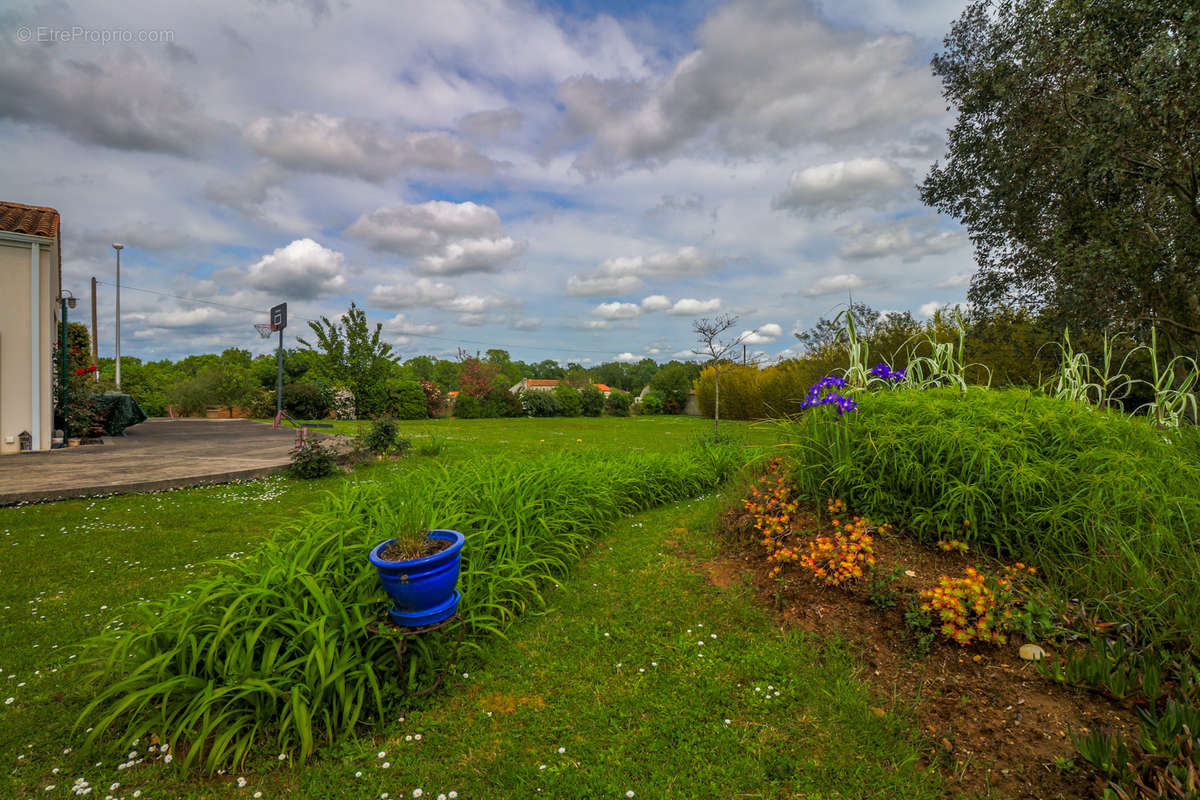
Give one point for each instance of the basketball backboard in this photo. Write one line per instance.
(279, 317)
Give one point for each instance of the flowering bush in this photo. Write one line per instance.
(975, 607)
(344, 404)
(822, 393)
(774, 508)
(845, 556)
(435, 398)
(885, 373)
(951, 545)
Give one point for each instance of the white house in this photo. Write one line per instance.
(30, 279)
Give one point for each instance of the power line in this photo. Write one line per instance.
(450, 339)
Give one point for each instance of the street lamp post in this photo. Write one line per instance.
(118, 247)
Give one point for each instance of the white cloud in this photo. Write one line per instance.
(956, 281)
(690, 307)
(832, 284)
(765, 334)
(623, 274)
(910, 241)
(628, 358)
(471, 255)
(842, 186)
(450, 238)
(766, 75)
(411, 294)
(424, 227)
(656, 302)
(599, 285)
(302, 270)
(526, 324)
(478, 304)
(313, 142)
(492, 124)
(615, 310)
(932, 307)
(402, 325)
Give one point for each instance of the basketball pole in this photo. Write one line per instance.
(279, 379)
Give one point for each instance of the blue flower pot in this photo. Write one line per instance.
(422, 590)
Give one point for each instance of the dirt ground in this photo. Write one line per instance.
(995, 727)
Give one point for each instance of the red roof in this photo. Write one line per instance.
(540, 382)
(602, 387)
(32, 220)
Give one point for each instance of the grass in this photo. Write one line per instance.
(654, 725)
(1105, 504)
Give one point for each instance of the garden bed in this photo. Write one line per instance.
(994, 725)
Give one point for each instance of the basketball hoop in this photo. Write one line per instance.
(265, 329)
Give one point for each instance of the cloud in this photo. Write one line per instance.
(526, 324)
(478, 303)
(611, 311)
(313, 142)
(956, 281)
(450, 238)
(801, 80)
(411, 294)
(932, 307)
(492, 124)
(833, 284)
(623, 274)
(656, 302)
(689, 307)
(471, 255)
(842, 186)
(302, 270)
(910, 241)
(765, 334)
(599, 285)
(627, 358)
(402, 325)
(123, 101)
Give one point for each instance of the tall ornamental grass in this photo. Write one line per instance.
(1106, 504)
(273, 651)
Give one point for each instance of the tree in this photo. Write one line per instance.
(591, 401)
(355, 357)
(476, 378)
(1074, 159)
(709, 331)
(617, 404)
(672, 384)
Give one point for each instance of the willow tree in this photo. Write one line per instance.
(1075, 159)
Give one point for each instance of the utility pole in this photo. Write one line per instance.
(95, 351)
(118, 247)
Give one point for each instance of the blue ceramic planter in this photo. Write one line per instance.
(422, 590)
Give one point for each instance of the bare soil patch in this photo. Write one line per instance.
(995, 726)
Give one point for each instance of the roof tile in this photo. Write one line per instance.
(31, 220)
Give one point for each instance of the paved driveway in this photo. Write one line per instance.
(156, 454)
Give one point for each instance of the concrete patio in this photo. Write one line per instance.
(156, 454)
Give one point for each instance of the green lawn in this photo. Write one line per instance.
(556, 683)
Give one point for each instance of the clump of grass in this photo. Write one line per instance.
(274, 648)
(407, 524)
(1100, 501)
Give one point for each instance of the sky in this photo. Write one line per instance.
(577, 180)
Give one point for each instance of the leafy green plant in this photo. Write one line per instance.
(1013, 464)
(881, 588)
(617, 404)
(919, 625)
(381, 437)
(434, 445)
(591, 401)
(272, 648)
(311, 458)
(1175, 387)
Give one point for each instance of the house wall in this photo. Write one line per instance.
(16, 402)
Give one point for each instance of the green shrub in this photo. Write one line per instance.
(382, 436)
(617, 404)
(306, 401)
(433, 446)
(406, 400)
(570, 403)
(591, 401)
(652, 403)
(1104, 504)
(271, 650)
(311, 459)
(261, 403)
(467, 407)
(540, 404)
(499, 403)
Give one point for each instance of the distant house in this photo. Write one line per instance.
(546, 385)
(30, 282)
